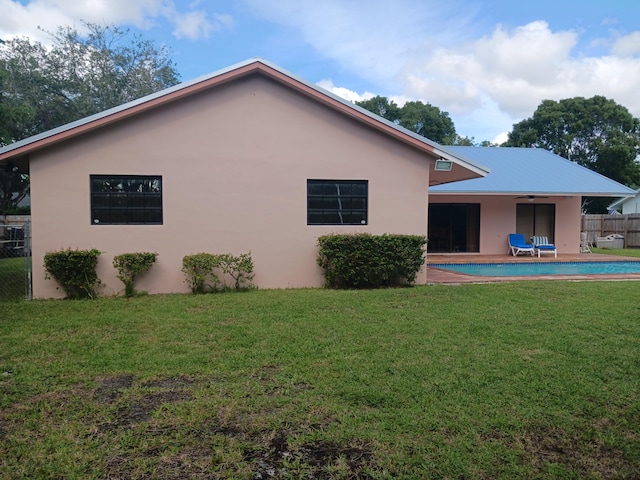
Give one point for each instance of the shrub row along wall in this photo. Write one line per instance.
(75, 271)
(349, 261)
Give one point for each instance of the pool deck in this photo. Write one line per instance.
(438, 276)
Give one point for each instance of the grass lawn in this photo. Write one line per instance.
(514, 380)
(625, 252)
(12, 278)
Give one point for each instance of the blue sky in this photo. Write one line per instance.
(487, 63)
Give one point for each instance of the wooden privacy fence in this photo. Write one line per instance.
(627, 225)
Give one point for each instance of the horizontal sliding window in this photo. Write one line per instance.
(337, 202)
(126, 200)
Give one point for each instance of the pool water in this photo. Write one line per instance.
(541, 268)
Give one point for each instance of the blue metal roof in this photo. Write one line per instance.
(530, 171)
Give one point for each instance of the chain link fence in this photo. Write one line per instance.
(15, 260)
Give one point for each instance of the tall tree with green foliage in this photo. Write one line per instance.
(43, 87)
(421, 118)
(383, 107)
(79, 75)
(14, 187)
(595, 132)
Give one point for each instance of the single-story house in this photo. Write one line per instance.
(627, 205)
(247, 159)
(529, 190)
(254, 159)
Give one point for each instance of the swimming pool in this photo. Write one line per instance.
(541, 268)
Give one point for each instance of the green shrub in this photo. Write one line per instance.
(130, 265)
(207, 272)
(370, 261)
(198, 268)
(75, 271)
(239, 268)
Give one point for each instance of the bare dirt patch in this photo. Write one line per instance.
(590, 458)
(174, 452)
(142, 437)
(316, 460)
(111, 388)
(138, 406)
(140, 410)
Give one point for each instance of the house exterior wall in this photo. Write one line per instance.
(498, 220)
(631, 205)
(234, 163)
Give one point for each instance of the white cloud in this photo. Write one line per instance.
(345, 93)
(37, 15)
(376, 39)
(192, 25)
(196, 24)
(516, 70)
(500, 138)
(502, 76)
(628, 45)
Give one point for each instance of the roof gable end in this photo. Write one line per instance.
(253, 66)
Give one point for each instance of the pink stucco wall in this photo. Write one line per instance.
(234, 163)
(498, 219)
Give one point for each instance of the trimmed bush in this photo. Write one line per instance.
(206, 272)
(370, 261)
(198, 268)
(130, 265)
(239, 268)
(75, 271)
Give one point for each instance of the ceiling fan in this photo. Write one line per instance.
(531, 198)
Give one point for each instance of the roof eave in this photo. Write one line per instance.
(536, 194)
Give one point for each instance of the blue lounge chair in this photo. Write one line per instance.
(517, 245)
(542, 245)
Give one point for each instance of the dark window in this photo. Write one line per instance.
(454, 227)
(337, 202)
(126, 200)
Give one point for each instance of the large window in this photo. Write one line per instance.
(337, 202)
(126, 200)
(454, 227)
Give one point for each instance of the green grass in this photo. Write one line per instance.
(12, 278)
(625, 252)
(514, 380)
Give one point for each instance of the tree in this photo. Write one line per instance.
(595, 132)
(78, 76)
(382, 106)
(14, 187)
(428, 121)
(423, 119)
(44, 87)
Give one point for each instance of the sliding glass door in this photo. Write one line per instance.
(454, 227)
(536, 219)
